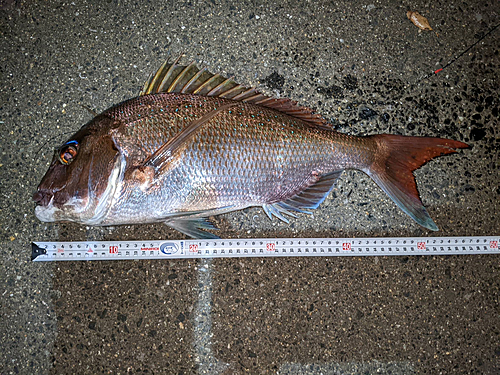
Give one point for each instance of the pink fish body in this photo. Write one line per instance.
(194, 144)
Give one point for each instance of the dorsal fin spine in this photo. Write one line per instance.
(244, 93)
(152, 82)
(146, 85)
(195, 77)
(167, 75)
(264, 100)
(178, 78)
(206, 83)
(219, 86)
(225, 94)
(251, 99)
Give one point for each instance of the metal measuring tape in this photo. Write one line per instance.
(263, 247)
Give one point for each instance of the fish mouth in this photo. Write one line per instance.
(42, 197)
(52, 210)
(53, 207)
(52, 204)
(45, 210)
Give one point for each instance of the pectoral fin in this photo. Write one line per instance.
(164, 154)
(144, 176)
(194, 223)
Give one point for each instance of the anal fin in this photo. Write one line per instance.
(309, 198)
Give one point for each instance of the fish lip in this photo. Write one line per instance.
(46, 213)
(54, 212)
(41, 198)
(41, 195)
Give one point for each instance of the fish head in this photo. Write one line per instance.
(82, 177)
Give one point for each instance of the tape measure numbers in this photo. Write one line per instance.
(263, 247)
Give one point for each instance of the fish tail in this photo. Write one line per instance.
(396, 158)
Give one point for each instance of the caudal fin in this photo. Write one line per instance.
(396, 158)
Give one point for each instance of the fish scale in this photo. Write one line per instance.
(258, 155)
(195, 144)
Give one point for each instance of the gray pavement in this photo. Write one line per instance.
(360, 64)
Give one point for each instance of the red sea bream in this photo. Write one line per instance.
(194, 144)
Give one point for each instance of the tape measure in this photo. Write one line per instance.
(263, 247)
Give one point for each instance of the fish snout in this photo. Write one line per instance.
(42, 197)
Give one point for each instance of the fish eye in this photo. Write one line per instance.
(67, 153)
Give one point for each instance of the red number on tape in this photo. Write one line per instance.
(346, 246)
(421, 245)
(113, 249)
(493, 244)
(270, 246)
(193, 247)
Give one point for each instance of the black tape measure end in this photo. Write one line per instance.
(36, 251)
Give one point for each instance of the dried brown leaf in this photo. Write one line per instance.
(418, 20)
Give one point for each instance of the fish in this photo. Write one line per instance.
(194, 144)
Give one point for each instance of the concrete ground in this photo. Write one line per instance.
(360, 64)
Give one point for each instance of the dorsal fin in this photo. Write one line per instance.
(174, 78)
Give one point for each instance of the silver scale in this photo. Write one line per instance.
(263, 247)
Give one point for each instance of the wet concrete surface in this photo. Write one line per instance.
(360, 64)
